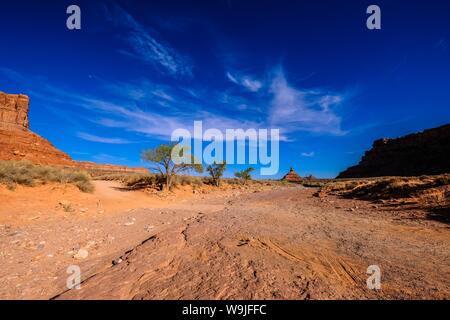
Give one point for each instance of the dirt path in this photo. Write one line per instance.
(282, 244)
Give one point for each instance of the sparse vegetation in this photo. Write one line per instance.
(162, 164)
(26, 173)
(216, 171)
(427, 188)
(244, 175)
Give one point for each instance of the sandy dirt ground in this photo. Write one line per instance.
(281, 243)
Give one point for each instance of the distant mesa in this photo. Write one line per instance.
(423, 153)
(292, 176)
(17, 142)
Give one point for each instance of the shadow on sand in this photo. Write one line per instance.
(441, 214)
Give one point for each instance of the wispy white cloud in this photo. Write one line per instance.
(107, 158)
(134, 107)
(308, 154)
(303, 110)
(245, 81)
(94, 138)
(441, 44)
(163, 95)
(145, 45)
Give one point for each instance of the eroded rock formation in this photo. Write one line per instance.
(292, 176)
(424, 153)
(13, 111)
(17, 142)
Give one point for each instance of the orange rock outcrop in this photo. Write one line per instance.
(17, 142)
(292, 176)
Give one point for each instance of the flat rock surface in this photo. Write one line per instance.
(269, 244)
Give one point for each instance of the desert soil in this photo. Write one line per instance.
(280, 243)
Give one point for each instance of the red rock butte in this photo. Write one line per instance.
(18, 142)
(423, 153)
(292, 176)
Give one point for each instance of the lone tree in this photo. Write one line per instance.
(244, 175)
(161, 160)
(216, 171)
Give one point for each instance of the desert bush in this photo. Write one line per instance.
(161, 162)
(185, 180)
(141, 181)
(216, 171)
(386, 187)
(121, 177)
(244, 175)
(26, 173)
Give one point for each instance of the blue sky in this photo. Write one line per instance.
(137, 70)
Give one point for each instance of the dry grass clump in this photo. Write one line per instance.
(26, 173)
(143, 181)
(136, 181)
(185, 180)
(121, 177)
(314, 183)
(435, 187)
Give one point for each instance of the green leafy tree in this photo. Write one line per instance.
(216, 171)
(161, 163)
(244, 175)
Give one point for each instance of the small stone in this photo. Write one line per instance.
(129, 223)
(66, 205)
(81, 254)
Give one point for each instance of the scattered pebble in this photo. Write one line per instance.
(81, 254)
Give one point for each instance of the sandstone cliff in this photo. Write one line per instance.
(17, 142)
(13, 111)
(424, 153)
(96, 169)
(292, 176)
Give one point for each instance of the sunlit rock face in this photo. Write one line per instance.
(18, 142)
(292, 176)
(14, 111)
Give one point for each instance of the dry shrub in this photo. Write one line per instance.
(26, 173)
(121, 177)
(186, 180)
(390, 187)
(142, 181)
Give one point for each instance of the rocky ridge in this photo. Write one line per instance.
(18, 142)
(423, 153)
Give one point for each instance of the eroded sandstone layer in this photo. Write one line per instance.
(292, 176)
(13, 111)
(17, 142)
(424, 153)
